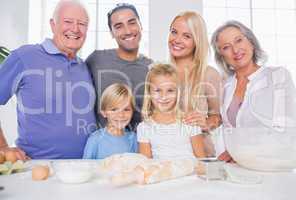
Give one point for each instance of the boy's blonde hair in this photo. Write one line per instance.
(115, 93)
(198, 30)
(157, 69)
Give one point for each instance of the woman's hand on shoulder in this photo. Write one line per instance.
(195, 119)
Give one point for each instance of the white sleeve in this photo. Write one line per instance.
(143, 133)
(284, 93)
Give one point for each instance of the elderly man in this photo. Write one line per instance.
(123, 64)
(54, 90)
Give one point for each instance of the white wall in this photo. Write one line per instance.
(161, 15)
(14, 33)
(14, 23)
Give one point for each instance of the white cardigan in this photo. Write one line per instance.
(270, 100)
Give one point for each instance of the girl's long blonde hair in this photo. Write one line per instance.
(157, 69)
(198, 30)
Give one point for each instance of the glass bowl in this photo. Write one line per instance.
(262, 149)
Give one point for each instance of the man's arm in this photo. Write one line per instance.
(11, 68)
(3, 143)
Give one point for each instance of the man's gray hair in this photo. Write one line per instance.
(62, 3)
(259, 54)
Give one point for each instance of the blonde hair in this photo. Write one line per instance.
(114, 94)
(198, 30)
(157, 69)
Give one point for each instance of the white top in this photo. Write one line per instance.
(269, 101)
(168, 141)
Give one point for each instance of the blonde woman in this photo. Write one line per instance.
(116, 105)
(162, 135)
(200, 84)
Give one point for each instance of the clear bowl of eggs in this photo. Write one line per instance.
(73, 171)
(262, 149)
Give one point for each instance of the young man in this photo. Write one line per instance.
(54, 90)
(123, 64)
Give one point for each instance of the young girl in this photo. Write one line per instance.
(162, 135)
(117, 105)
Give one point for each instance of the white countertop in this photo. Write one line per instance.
(275, 186)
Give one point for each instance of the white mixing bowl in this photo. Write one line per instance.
(73, 171)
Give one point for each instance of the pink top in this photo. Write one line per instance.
(233, 110)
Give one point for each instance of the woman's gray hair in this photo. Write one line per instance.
(62, 3)
(259, 54)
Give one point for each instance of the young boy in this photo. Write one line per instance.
(116, 105)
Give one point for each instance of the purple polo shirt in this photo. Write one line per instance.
(55, 99)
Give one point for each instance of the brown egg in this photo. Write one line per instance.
(10, 156)
(2, 158)
(40, 172)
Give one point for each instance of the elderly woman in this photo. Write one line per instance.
(254, 95)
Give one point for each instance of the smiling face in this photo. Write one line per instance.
(118, 115)
(235, 48)
(181, 43)
(69, 29)
(126, 29)
(163, 91)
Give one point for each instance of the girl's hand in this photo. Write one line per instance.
(195, 119)
(198, 146)
(225, 156)
(145, 149)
